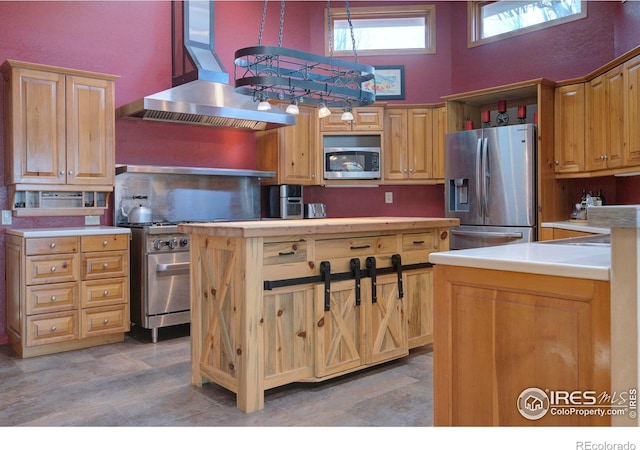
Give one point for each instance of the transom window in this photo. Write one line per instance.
(493, 20)
(382, 30)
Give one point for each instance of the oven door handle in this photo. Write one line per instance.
(173, 268)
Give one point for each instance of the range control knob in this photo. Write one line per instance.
(172, 243)
(184, 242)
(158, 244)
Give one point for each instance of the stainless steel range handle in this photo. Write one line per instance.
(487, 234)
(172, 267)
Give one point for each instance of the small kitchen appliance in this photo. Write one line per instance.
(285, 201)
(315, 210)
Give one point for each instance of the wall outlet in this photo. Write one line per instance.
(6, 217)
(92, 220)
(388, 197)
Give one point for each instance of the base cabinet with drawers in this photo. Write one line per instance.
(277, 302)
(66, 289)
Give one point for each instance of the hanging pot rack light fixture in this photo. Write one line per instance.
(278, 73)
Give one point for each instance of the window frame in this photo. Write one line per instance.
(385, 12)
(474, 19)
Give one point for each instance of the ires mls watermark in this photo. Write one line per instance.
(535, 403)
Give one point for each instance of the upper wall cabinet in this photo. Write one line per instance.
(292, 152)
(596, 121)
(631, 73)
(59, 128)
(569, 128)
(414, 144)
(605, 121)
(367, 118)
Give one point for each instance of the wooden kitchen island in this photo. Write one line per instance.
(280, 301)
(523, 336)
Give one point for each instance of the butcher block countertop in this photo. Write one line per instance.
(268, 228)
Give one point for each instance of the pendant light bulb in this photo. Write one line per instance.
(347, 116)
(264, 105)
(293, 108)
(324, 111)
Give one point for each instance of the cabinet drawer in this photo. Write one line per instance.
(358, 246)
(51, 328)
(106, 242)
(105, 320)
(104, 292)
(52, 298)
(284, 252)
(104, 265)
(419, 241)
(51, 246)
(51, 269)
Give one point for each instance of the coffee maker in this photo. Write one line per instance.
(285, 201)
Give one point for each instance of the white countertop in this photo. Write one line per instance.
(546, 259)
(68, 231)
(577, 225)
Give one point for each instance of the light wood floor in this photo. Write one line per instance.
(137, 383)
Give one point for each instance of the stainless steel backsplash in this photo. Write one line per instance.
(198, 196)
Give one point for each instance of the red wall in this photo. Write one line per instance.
(133, 40)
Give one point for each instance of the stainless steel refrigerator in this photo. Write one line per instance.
(490, 185)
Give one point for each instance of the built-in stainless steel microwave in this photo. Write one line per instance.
(351, 163)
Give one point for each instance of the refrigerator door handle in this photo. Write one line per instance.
(479, 177)
(487, 234)
(485, 177)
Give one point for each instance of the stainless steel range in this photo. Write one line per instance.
(160, 262)
(159, 266)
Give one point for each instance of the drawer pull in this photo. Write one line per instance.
(360, 247)
(418, 242)
(105, 266)
(53, 328)
(286, 253)
(53, 245)
(105, 321)
(53, 298)
(105, 243)
(53, 268)
(105, 293)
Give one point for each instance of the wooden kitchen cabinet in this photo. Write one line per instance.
(414, 144)
(355, 332)
(66, 292)
(569, 129)
(59, 126)
(292, 152)
(631, 74)
(366, 118)
(605, 100)
(499, 333)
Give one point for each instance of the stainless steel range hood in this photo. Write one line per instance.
(208, 100)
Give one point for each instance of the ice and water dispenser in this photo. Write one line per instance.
(459, 194)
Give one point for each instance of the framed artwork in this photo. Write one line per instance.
(389, 83)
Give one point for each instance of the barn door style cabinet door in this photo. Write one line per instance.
(59, 126)
(355, 328)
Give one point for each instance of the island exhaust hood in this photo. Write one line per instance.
(208, 99)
